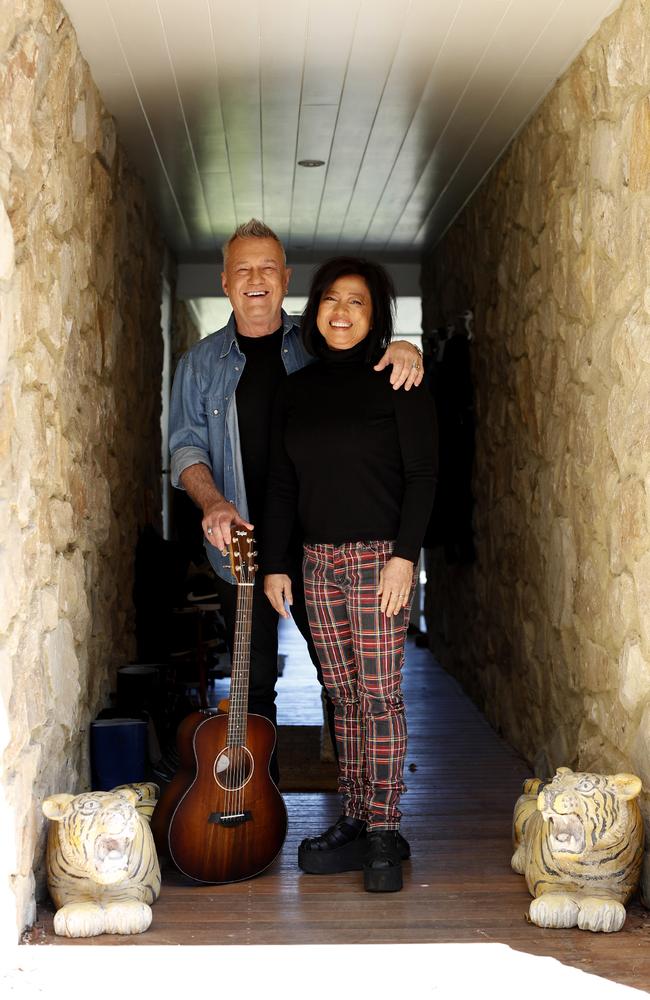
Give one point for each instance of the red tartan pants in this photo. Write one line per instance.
(361, 652)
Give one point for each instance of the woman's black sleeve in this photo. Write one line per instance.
(418, 439)
(281, 508)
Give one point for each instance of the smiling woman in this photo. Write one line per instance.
(350, 300)
(354, 461)
(345, 310)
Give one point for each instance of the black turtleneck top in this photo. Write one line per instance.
(354, 458)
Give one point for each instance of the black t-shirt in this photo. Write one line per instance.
(260, 380)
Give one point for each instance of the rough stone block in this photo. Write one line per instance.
(634, 688)
(7, 250)
(639, 156)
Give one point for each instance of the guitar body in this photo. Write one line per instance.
(231, 822)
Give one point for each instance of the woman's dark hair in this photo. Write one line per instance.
(382, 298)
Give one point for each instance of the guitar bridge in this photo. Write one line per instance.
(230, 819)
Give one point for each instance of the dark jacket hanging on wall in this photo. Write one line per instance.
(450, 381)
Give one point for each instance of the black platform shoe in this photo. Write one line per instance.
(403, 846)
(382, 869)
(341, 848)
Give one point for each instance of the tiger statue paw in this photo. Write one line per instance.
(85, 919)
(578, 840)
(599, 914)
(103, 871)
(554, 909)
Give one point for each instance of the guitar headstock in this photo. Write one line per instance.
(242, 556)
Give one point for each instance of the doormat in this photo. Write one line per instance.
(301, 769)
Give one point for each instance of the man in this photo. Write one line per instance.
(220, 424)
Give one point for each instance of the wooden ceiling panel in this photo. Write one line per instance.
(152, 73)
(408, 102)
(317, 123)
(423, 36)
(462, 49)
(500, 62)
(282, 72)
(373, 51)
(525, 90)
(330, 32)
(237, 47)
(188, 37)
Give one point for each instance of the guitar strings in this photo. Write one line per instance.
(244, 667)
(234, 798)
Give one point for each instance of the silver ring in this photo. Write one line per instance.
(209, 531)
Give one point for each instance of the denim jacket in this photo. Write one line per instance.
(203, 425)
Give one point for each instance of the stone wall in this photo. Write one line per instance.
(549, 630)
(185, 332)
(80, 363)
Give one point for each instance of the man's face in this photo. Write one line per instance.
(255, 280)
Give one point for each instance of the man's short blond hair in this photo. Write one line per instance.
(253, 228)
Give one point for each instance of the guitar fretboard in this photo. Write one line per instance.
(238, 706)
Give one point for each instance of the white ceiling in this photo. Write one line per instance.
(408, 102)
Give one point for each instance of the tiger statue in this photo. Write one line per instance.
(103, 871)
(579, 842)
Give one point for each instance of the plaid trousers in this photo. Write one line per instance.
(361, 652)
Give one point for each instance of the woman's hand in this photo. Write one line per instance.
(277, 587)
(395, 585)
(407, 364)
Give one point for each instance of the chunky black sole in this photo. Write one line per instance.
(382, 879)
(348, 858)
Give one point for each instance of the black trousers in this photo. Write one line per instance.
(264, 646)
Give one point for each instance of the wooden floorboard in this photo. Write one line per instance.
(463, 782)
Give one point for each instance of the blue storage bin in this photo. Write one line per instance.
(118, 752)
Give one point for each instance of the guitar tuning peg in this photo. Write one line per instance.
(254, 553)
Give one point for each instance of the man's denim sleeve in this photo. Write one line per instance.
(188, 427)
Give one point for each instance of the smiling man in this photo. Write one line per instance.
(219, 431)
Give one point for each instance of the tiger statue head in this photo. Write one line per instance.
(103, 871)
(579, 842)
(587, 814)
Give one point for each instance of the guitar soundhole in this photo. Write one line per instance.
(233, 768)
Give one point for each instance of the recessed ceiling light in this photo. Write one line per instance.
(311, 163)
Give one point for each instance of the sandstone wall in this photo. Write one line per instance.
(80, 363)
(550, 629)
(185, 332)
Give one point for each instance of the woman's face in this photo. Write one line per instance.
(345, 312)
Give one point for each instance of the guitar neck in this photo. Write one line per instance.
(238, 707)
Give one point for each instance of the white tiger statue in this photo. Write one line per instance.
(103, 871)
(579, 842)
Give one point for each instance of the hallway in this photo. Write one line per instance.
(494, 155)
(463, 781)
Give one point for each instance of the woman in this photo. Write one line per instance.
(355, 460)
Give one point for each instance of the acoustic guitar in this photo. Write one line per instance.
(231, 822)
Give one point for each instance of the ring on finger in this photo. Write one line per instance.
(209, 531)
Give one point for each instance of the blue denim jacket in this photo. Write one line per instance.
(203, 423)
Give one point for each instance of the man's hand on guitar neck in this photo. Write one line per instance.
(219, 516)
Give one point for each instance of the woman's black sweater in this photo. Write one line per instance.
(354, 458)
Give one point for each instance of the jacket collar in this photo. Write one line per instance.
(230, 333)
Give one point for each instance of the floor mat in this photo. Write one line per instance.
(301, 769)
